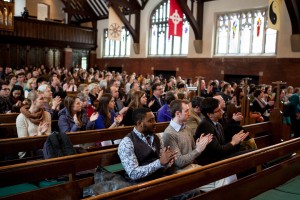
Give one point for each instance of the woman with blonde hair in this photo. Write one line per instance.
(33, 120)
(30, 86)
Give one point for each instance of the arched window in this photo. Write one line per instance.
(244, 33)
(159, 42)
(114, 48)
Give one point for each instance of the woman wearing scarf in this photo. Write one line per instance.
(33, 120)
(260, 105)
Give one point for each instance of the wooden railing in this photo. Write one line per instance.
(50, 34)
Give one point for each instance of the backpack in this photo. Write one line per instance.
(58, 144)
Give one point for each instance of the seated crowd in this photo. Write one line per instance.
(202, 130)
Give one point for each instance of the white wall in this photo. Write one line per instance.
(19, 7)
(210, 11)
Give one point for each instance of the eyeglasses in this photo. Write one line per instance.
(6, 89)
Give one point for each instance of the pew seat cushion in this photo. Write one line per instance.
(289, 190)
(292, 186)
(48, 183)
(114, 168)
(15, 189)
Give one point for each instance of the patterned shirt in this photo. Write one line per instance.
(129, 159)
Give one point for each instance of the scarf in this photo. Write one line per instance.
(261, 102)
(35, 118)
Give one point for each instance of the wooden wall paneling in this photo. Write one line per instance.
(270, 69)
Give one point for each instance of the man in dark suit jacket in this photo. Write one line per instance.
(217, 149)
(157, 92)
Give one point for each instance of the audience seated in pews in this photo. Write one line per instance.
(30, 86)
(260, 105)
(164, 114)
(138, 100)
(16, 97)
(51, 104)
(180, 139)
(72, 119)
(33, 120)
(139, 151)
(217, 149)
(5, 104)
(195, 116)
(157, 91)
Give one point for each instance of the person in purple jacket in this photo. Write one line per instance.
(164, 113)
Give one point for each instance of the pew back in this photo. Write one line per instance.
(175, 184)
(38, 170)
(8, 118)
(9, 130)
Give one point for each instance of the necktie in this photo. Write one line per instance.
(148, 140)
(159, 101)
(220, 132)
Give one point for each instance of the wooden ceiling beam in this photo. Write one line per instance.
(197, 24)
(132, 5)
(134, 33)
(293, 7)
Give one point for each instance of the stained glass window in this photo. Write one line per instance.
(159, 42)
(245, 33)
(114, 48)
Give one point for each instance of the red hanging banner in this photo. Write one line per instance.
(175, 21)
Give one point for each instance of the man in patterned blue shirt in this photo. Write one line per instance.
(141, 152)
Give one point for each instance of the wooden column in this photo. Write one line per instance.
(199, 80)
(280, 132)
(68, 57)
(246, 103)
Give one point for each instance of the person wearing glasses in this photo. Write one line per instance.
(218, 149)
(157, 91)
(5, 104)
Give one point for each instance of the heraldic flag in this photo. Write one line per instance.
(175, 21)
(114, 25)
(274, 14)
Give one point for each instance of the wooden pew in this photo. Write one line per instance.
(38, 170)
(14, 145)
(261, 132)
(8, 118)
(160, 188)
(72, 94)
(244, 188)
(9, 130)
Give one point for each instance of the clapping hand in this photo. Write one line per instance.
(94, 116)
(42, 128)
(167, 156)
(203, 141)
(151, 103)
(118, 119)
(56, 102)
(237, 117)
(239, 137)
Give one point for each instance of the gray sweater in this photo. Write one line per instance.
(182, 142)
